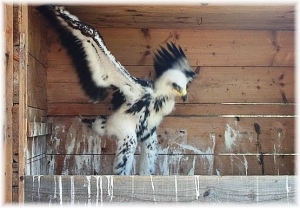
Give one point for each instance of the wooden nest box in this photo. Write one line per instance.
(234, 135)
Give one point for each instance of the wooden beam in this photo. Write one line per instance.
(8, 141)
(16, 158)
(215, 17)
(23, 64)
(102, 190)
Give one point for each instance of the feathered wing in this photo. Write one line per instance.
(97, 68)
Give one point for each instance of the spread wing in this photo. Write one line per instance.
(97, 68)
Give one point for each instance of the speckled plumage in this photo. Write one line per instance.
(138, 105)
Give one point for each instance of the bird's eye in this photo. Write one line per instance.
(176, 87)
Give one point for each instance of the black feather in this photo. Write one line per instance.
(139, 105)
(148, 135)
(117, 100)
(164, 59)
(75, 50)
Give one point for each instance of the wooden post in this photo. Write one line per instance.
(8, 102)
(23, 63)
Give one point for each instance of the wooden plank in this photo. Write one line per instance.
(190, 134)
(36, 115)
(102, 190)
(177, 164)
(38, 129)
(284, 42)
(205, 144)
(8, 140)
(16, 87)
(259, 17)
(228, 135)
(23, 102)
(36, 84)
(213, 48)
(16, 80)
(200, 110)
(15, 164)
(36, 162)
(37, 36)
(213, 85)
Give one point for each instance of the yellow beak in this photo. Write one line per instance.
(182, 94)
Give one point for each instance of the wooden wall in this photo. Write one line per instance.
(239, 116)
(26, 100)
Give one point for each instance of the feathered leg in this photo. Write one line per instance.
(148, 155)
(97, 124)
(125, 154)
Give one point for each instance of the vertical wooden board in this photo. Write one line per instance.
(23, 104)
(36, 156)
(16, 23)
(36, 84)
(8, 140)
(37, 36)
(16, 82)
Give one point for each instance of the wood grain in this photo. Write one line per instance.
(201, 144)
(37, 33)
(23, 101)
(36, 115)
(36, 129)
(202, 47)
(251, 17)
(36, 84)
(107, 189)
(8, 125)
(213, 85)
(191, 109)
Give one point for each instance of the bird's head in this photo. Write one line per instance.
(173, 71)
(173, 83)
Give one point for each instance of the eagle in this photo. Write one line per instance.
(138, 105)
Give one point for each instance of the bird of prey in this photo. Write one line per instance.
(138, 106)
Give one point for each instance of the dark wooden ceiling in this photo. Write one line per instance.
(278, 17)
